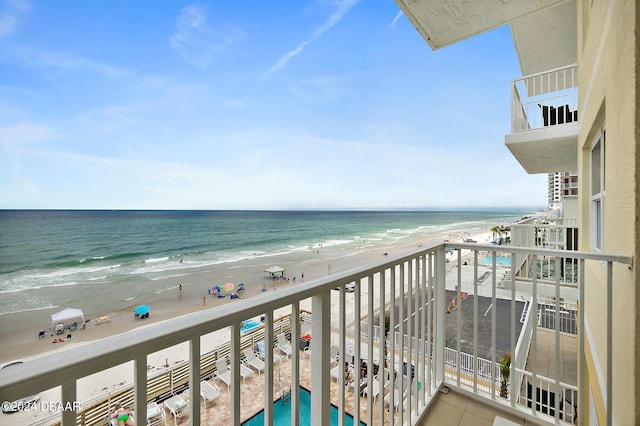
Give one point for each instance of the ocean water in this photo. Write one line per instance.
(51, 259)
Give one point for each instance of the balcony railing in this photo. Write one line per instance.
(546, 99)
(430, 310)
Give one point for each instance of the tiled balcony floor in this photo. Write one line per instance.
(456, 409)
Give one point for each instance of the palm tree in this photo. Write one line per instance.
(505, 371)
(496, 230)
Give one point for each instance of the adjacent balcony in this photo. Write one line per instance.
(544, 121)
(418, 334)
(551, 232)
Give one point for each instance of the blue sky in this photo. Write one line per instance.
(250, 105)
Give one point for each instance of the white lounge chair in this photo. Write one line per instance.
(375, 388)
(223, 372)
(253, 360)
(335, 371)
(155, 414)
(178, 407)
(245, 372)
(209, 392)
(283, 344)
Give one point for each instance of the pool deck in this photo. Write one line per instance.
(252, 396)
(450, 409)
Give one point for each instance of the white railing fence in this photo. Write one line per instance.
(410, 294)
(546, 99)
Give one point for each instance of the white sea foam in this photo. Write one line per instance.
(39, 308)
(156, 259)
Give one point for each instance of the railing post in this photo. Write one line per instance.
(320, 379)
(69, 398)
(194, 381)
(295, 363)
(140, 388)
(440, 302)
(268, 360)
(235, 374)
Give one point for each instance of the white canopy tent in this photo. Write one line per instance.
(67, 317)
(272, 271)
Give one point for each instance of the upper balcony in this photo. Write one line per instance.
(544, 121)
(447, 318)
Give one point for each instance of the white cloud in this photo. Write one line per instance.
(11, 14)
(72, 62)
(19, 134)
(196, 41)
(342, 7)
(399, 15)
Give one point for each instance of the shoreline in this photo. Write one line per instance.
(167, 306)
(19, 334)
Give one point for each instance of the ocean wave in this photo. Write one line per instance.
(39, 308)
(156, 259)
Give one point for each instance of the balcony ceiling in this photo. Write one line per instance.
(544, 31)
(546, 150)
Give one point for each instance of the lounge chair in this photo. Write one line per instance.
(178, 407)
(245, 372)
(335, 352)
(253, 360)
(262, 352)
(209, 392)
(155, 414)
(283, 344)
(223, 372)
(335, 371)
(375, 388)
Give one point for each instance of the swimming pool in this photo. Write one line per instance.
(282, 413)
(503, 261)
(249, 325)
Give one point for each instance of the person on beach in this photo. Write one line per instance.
(204, 300)
(123, 414)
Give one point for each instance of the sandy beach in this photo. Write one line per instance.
(20, 335)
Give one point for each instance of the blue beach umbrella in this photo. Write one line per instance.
(142, 311)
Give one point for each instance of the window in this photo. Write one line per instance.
(597, 191)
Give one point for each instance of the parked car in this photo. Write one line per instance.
(349, 288)
(20, 404)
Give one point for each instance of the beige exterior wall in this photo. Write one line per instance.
(608, 84)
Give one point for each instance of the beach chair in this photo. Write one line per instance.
(209, 392)
(73, 327)
(335, 354)
(155, 414)
(245, 372)
(335, 371)
(253, 360)
(375, 388)
(222, 372)
(178, 407)
(262, 352)
(283, 344)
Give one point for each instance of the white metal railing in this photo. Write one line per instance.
(411, 288)
(545, 99)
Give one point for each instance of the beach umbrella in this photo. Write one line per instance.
(228, 287)
(142, 311)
